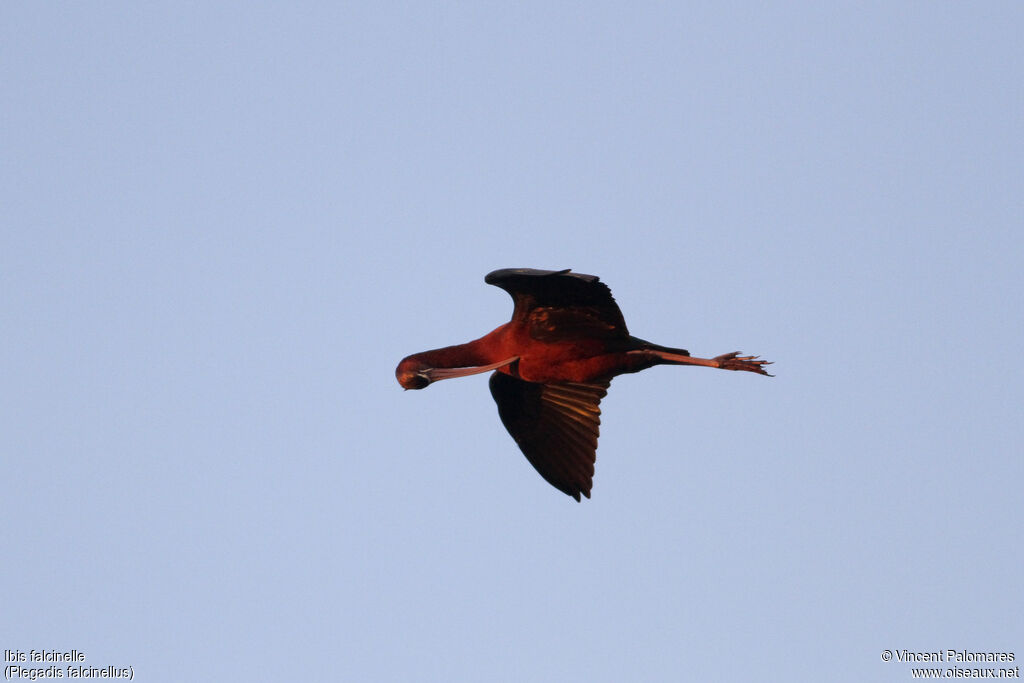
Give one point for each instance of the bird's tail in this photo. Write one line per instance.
(644, 345)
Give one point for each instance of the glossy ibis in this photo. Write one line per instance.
(553, 363)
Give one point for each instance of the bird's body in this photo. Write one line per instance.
(563, 360)
(553, 363)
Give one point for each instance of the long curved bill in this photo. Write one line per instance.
(436, 374)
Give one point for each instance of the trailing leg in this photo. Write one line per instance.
(727, 361)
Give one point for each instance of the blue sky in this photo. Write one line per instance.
(223, 224)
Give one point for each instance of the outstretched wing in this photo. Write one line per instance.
(559, 304)
(555, 426)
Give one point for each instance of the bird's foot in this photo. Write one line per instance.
(734, 361)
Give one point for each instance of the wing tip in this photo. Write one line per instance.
(496, 276)
(575, 492)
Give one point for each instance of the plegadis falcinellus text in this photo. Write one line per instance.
(553, 363)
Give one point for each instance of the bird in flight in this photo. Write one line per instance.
(552, 365)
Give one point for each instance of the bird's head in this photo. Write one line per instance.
(413, 374)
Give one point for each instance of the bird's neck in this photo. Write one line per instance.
(471, 354)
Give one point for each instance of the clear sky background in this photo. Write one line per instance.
(223, 224)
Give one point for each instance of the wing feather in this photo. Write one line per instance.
(559, 303)
(556, 426)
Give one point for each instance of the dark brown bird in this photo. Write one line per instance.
(553, 363)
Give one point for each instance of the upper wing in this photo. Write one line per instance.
(559, 303)
(555, 426)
